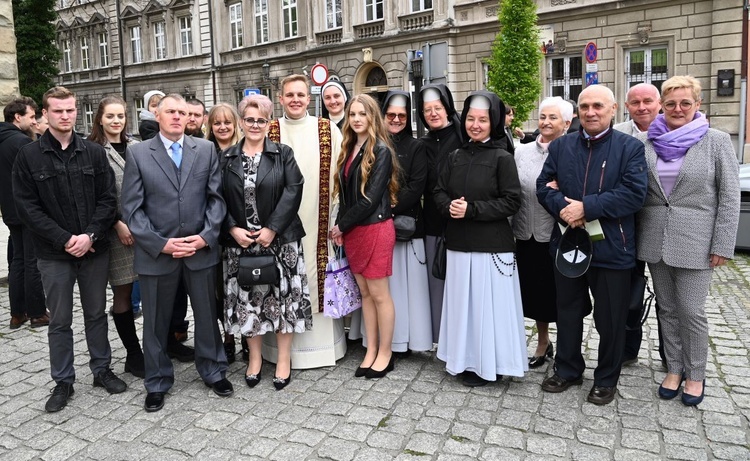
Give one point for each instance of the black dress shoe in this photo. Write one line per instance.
(154, 401)
(601, 395)
(555, 383)
(471, 379)
(361, 371)
(252, 380)
(107, 379)
(222, 387)
(281, 383)
(538, 360)
(59, 398)
(181, 352)
(373, 373)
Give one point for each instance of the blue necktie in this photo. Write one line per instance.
(176, 149)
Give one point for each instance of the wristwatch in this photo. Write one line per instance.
(92, 236)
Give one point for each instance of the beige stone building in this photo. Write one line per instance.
(8, 67)
(216, 49)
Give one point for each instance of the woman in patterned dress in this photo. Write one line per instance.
(263, 190)
(109, 127)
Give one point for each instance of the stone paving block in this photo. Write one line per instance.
(589, 437)
(216, 455)
(451, 457)
(396, 424)
(337, 449)
(514, 419)
(544, 445)
(307, 437)
(98, 430)
(324, 423)
(504, 437)
(442, 412)
(416, 397)
(366, 416)
(385, 440)
(424, 443)
(294, 415)
(633, 455)
(730, 452)
(326, 386)
(476, 416)
(390, 386)
(20, 454)
(216, 421)
(228, 439)
(379, 400)
(372, 454)
(433, 425)
(680, 438)
(504, 454)
(351, 431)
(553, 428)
(64, 449)
(467, 431)
(640, 440)
(190, 441)
(721, 419)
(685, 453)
(521, 403)
(639, 422)
(717, 405)
(259, 446)
(450, 399)
(581, 452)
(408, 410)
(46, 440)
(727, 434)
(335, 408)
(130, 430)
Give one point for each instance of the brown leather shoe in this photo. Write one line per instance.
(17, 320)
(556, 383)
(602, 395)
(180, 336)
(42, 321)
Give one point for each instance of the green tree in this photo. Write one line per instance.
(35, 45)
(514, 64)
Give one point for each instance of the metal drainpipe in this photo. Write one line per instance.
(743, 84)
(213, 61)
(121, 52)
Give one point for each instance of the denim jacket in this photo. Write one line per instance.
(58, 198)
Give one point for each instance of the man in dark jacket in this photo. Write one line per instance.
(24, 282)
(600, 176)
(65, 192)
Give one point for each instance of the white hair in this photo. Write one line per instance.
(565, 108)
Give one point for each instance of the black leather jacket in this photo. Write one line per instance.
(278, 192)
(356, 209)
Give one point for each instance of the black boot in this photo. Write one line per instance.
(125, 324)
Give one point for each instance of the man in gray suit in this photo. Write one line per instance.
(643, 105)
(172, 201)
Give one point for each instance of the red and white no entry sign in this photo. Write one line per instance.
(319, 74)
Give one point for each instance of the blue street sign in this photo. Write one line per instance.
(592, 78)
(249, 91)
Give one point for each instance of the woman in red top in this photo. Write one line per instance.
(366, 185)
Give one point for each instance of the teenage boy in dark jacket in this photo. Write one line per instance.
(601, 175)
(65, 192)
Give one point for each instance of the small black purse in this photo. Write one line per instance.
(440, 264)
(405, 227)
(258, 270)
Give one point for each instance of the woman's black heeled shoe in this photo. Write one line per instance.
(252, 380)
(361, 371)
(538, 360)
(373, 373)
(281, 383)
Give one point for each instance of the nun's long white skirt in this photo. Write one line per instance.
(411, 299)
(482, 326)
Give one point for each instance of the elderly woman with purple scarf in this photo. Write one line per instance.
(687, 227)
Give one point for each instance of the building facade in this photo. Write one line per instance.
(215, 50)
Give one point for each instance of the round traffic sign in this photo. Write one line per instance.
(590, 52)
(319, 74)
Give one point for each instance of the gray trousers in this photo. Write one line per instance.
(158, 295)
(58, 279)
(682, 299)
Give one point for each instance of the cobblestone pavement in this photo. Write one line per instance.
(417, 412)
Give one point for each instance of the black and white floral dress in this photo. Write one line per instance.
(266, 308)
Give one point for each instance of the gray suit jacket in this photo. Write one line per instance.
(625, 127)
(700, 216)
(158, 205)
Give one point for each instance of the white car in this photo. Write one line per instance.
(743, 232)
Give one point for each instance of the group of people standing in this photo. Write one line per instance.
(179, 214)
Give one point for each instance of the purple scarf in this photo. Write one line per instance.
(671, 145)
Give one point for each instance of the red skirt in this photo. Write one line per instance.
(369, 249)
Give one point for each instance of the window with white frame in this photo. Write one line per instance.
(565, 76)
(235, 25)
(103, 50)
(261, 21)
(135, 44)
(289, 14)
(333, 14)
(646, 65)
(67, 65)
(373, 10)
(85, 61)
(420, 5)
(186, 36)
(160, 40)
(88, 117)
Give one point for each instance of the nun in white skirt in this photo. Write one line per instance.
(408, 284)
(482, 333)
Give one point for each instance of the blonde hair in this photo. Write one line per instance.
(293, 78)
(682, 81)
(227, 112)
(376, 131)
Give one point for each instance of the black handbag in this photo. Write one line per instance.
(639, 301)
(440, 263)
(258, 270)
(405, 227)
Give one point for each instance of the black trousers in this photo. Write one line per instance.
(24, 281)
(634, 330)
(611, 291)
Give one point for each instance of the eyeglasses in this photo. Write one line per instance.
(260, 122)
(684, 105)
(436, 110)
(391, 116)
